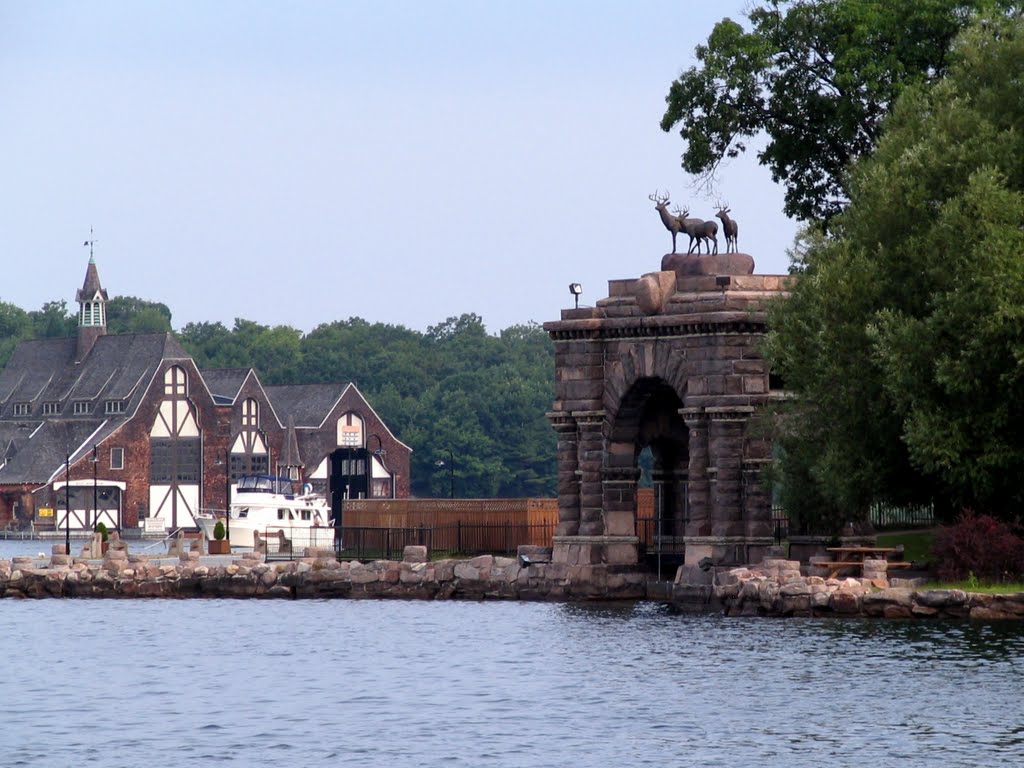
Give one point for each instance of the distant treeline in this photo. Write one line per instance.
(454, 388)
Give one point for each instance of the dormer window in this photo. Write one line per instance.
(22, 409)
(82, 407)
(51, 409)
(114, 406)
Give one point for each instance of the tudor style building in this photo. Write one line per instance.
(125, 429)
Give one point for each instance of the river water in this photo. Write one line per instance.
(431, 684)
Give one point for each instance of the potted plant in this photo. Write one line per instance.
(101, 529)
(219, 545)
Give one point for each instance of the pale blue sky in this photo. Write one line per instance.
(303, 162)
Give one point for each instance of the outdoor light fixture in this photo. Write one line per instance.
(576, 289)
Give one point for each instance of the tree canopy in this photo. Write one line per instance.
(816, 77)
(903, 337)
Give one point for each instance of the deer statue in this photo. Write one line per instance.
(729, 227)
(672, 223)
(698, 230)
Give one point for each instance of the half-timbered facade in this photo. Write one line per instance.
(126, 430)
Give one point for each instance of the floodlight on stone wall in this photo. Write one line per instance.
(576, 289)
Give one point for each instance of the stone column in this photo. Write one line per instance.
(568, 472)
(697, 491)
(757, 502)
(591, 465)
(725, 458)
(620, 500)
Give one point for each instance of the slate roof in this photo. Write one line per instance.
(307, 404)
(225, 383)
(91, 285)
(118, 368)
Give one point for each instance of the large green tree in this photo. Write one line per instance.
(815, 78)
(903, 337)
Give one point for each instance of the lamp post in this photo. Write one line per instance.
(95, 500)
(67, 502)
(227, 498)
(451, 471)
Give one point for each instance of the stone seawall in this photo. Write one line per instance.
(778, 588)
(319, 575)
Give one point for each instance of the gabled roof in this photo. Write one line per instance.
(43, 370)
(225, 383)
(309, 405)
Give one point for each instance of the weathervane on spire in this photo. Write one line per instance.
(90, 242)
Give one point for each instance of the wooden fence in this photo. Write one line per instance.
(531, 521)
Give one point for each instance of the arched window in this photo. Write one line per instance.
(175, 382)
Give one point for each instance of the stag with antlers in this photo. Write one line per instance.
(699, 231)
(672, 223)
(729, 227)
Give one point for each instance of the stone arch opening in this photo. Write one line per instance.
(648, 419)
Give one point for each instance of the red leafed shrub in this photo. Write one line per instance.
(989, 549)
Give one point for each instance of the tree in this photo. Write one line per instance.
(902, 337)
(127, 314)
(52, 321)
(815, 76)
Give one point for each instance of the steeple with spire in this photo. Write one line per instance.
(92, 306)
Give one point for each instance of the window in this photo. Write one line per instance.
(175, 382)
(174, 460)
(350, 431)
(82, 407)
(117, 458)
(250, 415)
(244, 464)
(21, 409)
(114, 406)
(50, 409)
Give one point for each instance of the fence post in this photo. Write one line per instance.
(458, 536)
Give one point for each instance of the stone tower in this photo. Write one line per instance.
(92, 311)
(669, 361)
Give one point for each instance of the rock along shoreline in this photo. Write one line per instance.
(772, 588)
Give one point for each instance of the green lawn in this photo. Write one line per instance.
(917, 545)
(973, 586)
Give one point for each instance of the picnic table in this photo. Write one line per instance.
(854, 557)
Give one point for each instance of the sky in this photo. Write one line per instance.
(306, 162)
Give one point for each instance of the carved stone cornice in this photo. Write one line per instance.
(730, 413)
(661, 331)
(589, 419)
(561, 421)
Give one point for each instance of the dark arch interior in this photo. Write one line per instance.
(649, 418)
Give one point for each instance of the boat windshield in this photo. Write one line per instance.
(264, 484)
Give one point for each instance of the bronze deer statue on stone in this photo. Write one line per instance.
(672, 223)
(698, 230)
(729, 227)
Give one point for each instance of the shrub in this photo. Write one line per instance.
(979, 546)
(101, 529)
(218, 531)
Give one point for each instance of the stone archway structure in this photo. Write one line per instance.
(669, 361)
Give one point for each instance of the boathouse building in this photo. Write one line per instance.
(125, 429)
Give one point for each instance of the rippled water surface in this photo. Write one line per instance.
(381, 683)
